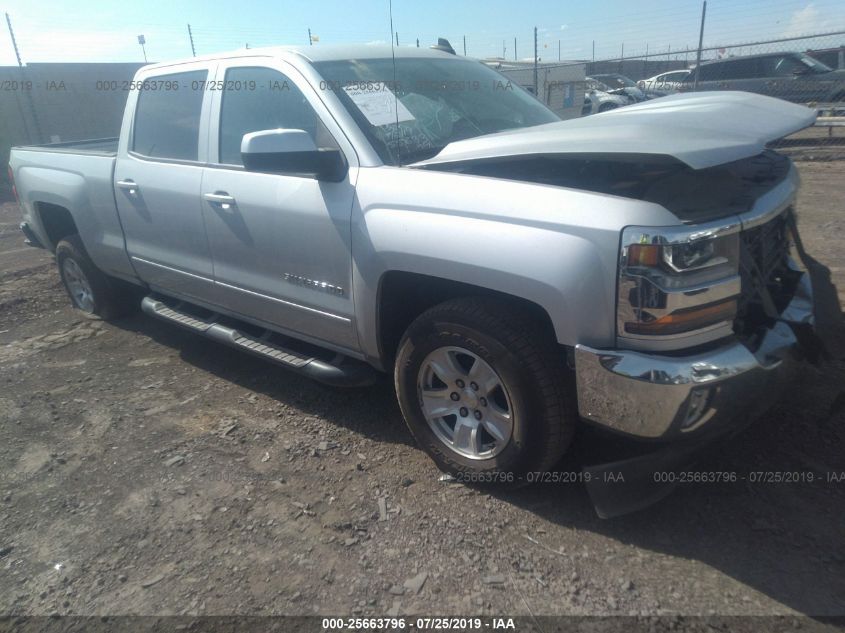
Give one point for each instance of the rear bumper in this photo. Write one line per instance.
(661, 397)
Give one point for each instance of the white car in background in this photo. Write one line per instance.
(663, 84)
(597, 98)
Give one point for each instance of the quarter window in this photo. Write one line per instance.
(167, 116)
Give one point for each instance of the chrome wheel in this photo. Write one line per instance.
(78, 285)
(465, 403)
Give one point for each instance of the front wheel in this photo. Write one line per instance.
(484, 390)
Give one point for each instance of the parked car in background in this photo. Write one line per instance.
(620, 84)
(795, 77)
(663, 84)
(597, 98)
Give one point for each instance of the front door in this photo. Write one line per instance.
(280, 244)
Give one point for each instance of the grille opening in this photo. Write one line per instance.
(768, 246)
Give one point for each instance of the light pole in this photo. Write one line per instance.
(142, 40)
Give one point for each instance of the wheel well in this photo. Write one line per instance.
(57, 222)
(403, 296)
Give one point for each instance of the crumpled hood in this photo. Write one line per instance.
(701, 130)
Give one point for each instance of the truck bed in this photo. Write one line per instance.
(95, 146)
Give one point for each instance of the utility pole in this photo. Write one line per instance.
(397, 38)
(418, 42)
(191, 37)
(504, 49)
(28, 92)
(536, 81)
(594, 52)
(558, 50)
(310, 41)
(465, 45)
(622, 59)
(700, 44)
(514, 50)
(645, 62)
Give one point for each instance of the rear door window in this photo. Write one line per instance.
(167, 116)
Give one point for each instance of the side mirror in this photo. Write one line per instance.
(293, 153)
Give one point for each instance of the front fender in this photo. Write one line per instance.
(555, 247)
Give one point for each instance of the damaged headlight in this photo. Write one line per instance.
(677, 282)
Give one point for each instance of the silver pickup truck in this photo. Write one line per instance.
(349, 211)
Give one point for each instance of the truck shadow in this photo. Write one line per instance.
(784, 540)
(371, 411)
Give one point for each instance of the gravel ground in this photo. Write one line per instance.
(147, 471)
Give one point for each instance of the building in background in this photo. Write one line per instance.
(560, 85)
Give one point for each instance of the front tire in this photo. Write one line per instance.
(484, 390)
(90, 290)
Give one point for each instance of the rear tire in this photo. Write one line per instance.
(90, 290)
(514, 413)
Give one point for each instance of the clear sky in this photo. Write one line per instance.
(99, 30)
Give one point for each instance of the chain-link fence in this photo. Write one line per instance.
(51, 102)
(808, 70)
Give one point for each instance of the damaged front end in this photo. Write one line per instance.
(788, 313)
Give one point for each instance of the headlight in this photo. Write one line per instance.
(675, 282)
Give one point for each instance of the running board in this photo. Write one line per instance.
(339, 371)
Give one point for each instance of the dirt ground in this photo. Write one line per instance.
(144, 470)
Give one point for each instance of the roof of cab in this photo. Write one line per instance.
(322, 53)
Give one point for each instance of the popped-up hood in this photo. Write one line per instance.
(700, 130)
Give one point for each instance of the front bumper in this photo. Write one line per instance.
(664, 397)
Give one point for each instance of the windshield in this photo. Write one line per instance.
(439, 101)
(815, 65)
(616, 81)
(594, 84)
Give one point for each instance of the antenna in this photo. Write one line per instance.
(395, 87)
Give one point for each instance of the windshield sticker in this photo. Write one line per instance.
(378, 103)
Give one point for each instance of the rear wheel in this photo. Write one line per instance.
(90, 290)
(484, 390)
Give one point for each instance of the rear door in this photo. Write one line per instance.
(281, 244)
(158, 176)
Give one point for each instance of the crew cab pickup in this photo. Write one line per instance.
(345, 212)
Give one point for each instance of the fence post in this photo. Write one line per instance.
(536, 82)
(700, 44)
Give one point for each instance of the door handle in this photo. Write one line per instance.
(223, 199)
(129, 185)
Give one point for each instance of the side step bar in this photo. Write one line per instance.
(340, 371)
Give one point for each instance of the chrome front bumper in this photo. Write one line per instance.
(658, 396)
